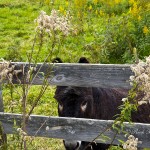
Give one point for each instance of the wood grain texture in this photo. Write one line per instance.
(74, 128)
(82, 75)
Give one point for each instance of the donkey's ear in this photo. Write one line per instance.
(57, 60)
(83, 60)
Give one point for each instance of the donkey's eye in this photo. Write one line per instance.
(83, 106)
(60, 106)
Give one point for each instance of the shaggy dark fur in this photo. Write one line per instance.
(96, 103)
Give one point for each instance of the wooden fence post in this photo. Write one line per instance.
(3, 137)
(1, 100)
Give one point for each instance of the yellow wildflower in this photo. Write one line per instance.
(61, 9)
(78, 14)
(139, 18)
(65, 13)
(145, 30)
(95, 2)
(131, 1)
(135, 51)
(117, 1)
(135, 10)
(80, 3)
(85, 14)
(67, 3)
(101, 13)
(47, 2)
(90, 7)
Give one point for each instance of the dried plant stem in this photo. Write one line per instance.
(43, 89)
(11, 93)
(32, 50)
(3, 138)
(107, 128)
(114, 138)
(45, 84)
(12, 86)
(24, 100)
(40, 46)
(30, 84)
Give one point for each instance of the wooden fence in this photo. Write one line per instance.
(81, 75)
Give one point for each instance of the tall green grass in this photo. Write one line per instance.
(104, 32)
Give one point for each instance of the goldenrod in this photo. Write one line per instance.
(80, 3)
(117, 1)
(61, 9)
(135, 10)
(101, 13)
(131, 1)
(95, 2)
(139, 18)
(90, 7)
(96, 12)
(145, 30)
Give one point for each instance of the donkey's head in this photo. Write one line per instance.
(74, 102)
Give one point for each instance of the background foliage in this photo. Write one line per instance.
(103, 31)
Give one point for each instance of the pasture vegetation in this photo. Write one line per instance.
(116, 31)
(103, 31)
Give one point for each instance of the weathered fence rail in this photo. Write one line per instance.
(81, 75)
(74, 128)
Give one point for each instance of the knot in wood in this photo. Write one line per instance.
(70, 130)
(90, 122)
(59, 78)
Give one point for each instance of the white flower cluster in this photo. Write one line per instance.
(54, 22)
(142, 78)
(21, 132)
(131, 143)
(24, 135)
(5, 70)
(124, 99)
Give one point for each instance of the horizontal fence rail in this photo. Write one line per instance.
(74, 128)
(81, 75)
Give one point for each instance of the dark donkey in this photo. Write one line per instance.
(89, 102)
